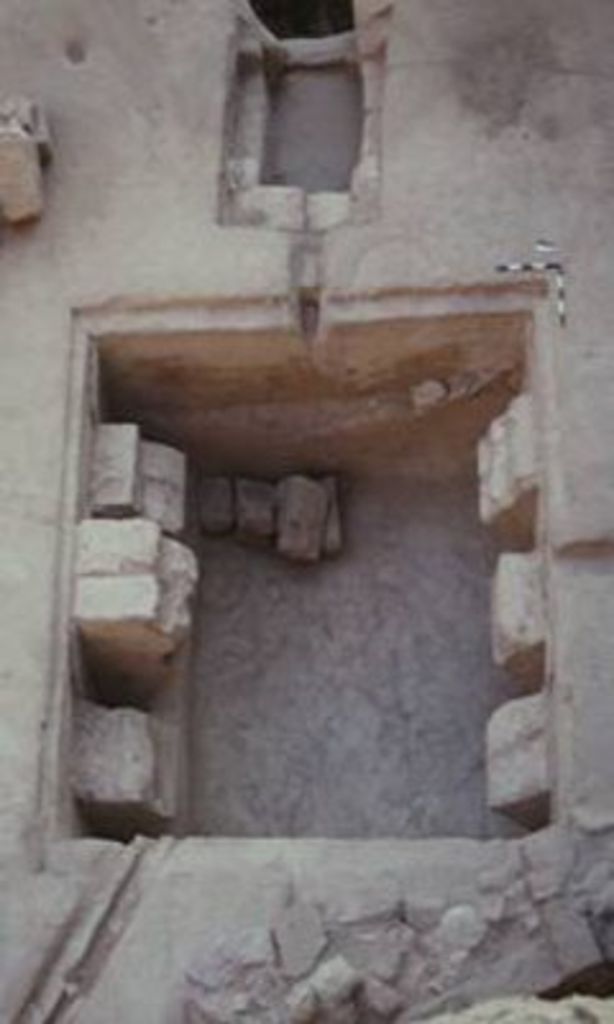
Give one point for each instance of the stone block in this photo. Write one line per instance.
(178, 579)
(115, 771)
(116, 487)
(517, 761)
(216, 505)
(256, 510)
(508, 472)
(164, 485)
(335, 982)
(21, 181)
(23, 114)
(519, 618)
(303, 505)
(117, 547)
(333, 538)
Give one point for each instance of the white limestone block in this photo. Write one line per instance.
(519, 618)
(116, 769)
(178, 579)
(124, 547)
(164, 485)
(517, 761)
(21, 182)
(117, 602)
(508, 471)
(115, 482)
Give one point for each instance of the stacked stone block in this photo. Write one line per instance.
(300, 516)
(517, 764)
(133, 590)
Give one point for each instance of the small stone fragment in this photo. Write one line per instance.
(333, 540)
(216, 505)
(335, 982)
(164, 485)
(303, 505)
(381, 999)
(115, 482)
(256, 504)
(300, 938)
(302, 1005)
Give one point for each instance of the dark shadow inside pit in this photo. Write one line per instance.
(305, 18)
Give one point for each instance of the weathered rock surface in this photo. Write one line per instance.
(303, 506)
(115, 475)
(517, 761)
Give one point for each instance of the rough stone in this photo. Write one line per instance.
(114, 768)
(21, 181)
(518, 615)
(178, 573)
(335, 982)
(508, 471)
(216, 505)
(256, 510)
(303, 507)
(518, 774)
(164, 485)
(115, 480)
(117, 547)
